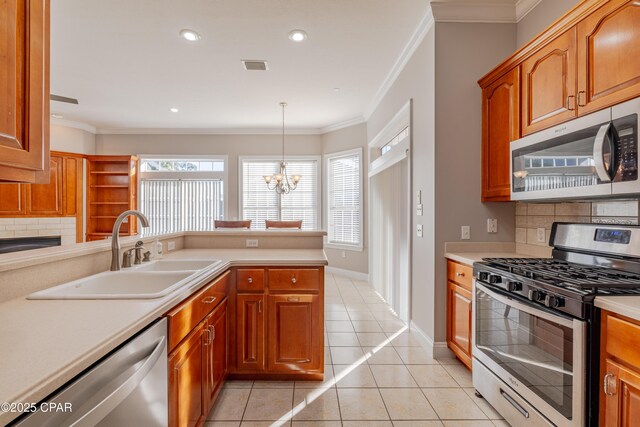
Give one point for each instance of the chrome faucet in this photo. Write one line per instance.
(115, 239)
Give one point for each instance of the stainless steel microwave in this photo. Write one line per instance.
(588, 157)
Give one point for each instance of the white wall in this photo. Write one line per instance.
(230, 145)
(333, 142)
(543, 15)
(72, 140)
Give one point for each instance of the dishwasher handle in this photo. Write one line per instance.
(118, 392)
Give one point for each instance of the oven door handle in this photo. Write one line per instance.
(527, 308)
(602, 138)
(513, 403)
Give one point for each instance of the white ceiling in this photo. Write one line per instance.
(127, 65)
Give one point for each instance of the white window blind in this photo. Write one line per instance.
(259, 203)
(181, 204)
(344, 199)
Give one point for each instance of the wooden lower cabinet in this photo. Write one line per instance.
(250, 334)
(216, 353)
(295, 333)
(459, 311)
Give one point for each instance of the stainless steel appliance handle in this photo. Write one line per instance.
(515, 404)
(602, 137)
(116, 393)
(526, 308)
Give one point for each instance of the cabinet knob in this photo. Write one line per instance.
(294, 280)
(209, 300)
(459, 274)
(250, 280)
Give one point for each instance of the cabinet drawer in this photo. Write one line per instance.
(623, 340)
(185, 317)
(295, 279)
(250, 279)
(459, 273)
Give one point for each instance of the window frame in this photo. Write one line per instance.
(318, 189)
(359, 247)
(224, 176)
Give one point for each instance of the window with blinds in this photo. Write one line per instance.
(344, 198)
(259, 203)
(181, 204)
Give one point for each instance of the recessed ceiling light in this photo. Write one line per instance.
(57, 116)
(336, 89)
(190, 35)
(297, 35)
(174, 110)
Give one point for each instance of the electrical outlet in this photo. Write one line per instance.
(343, 254)
(541, 235)
(252, 243)
(466, 232)
(171, 245)
(419, 210)
(492, 225)
(419, 230)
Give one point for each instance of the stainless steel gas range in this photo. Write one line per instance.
(536, 333)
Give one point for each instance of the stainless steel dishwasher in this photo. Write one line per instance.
(126, 388)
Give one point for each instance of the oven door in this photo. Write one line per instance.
(571, 160)
(539, 354)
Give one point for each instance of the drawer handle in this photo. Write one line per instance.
(607, 385)
(213, 332)
(515, 404)
(294, 280)
(259, 306)
(581, 103)
(571, 106)
(207, 338)
(459, 274)
(293, 299)
(250, 280)
(209, 300)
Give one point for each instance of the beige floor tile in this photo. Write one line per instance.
(361, 404)
(281, 423)
(404, 339)
(415, 356)
(372, 339)
(356, 305)
(327, 382)
(469, 423)
(453, 404)
(327, 355)
(269, 404)
(380, 307)
(488, 410)
(431, 376)
(461, 374)
(501, 423)
(392, 376)
(273, 384)
(335, 307)
(350, 376)
(417, 424)
(392, 326)
(336, 315)
(238, 384)
(339, 326)
(366, 326)
(385, 315)
(230, 405)
(407, 404)
(361, 315)
(382, 355)
(221, 424)
(448, 361)
(316, 405)
(316, 423)
(343, 339)
(347, 355)
(367, 424)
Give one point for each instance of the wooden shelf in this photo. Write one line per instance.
(124, 173)
(109, 186)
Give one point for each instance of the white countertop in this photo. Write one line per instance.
(469, 258)
(45, 343)
(626, 305)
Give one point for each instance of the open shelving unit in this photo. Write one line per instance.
(111, 190)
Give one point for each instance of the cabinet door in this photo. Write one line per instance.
(500, 126)
(295, 333)
(12, 201)
(217, 352)
(609, 55)
(186, 374)
(46, 199)
(459, 321)
(621, 394)
(549, 84)
(250, 332)
(24, 85)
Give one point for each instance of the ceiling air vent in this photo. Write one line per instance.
(255, 65)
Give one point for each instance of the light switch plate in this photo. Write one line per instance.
(252, 243)
(419, 230)
(465, 232)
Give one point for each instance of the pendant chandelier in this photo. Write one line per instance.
(280, 182)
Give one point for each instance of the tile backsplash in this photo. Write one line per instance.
(32, 227)
(532, 216)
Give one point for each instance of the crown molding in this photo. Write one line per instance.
(73, 124)
(341, 125)
(207, 131)
(417, 37)
(523, 7)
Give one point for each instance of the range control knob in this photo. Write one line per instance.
(494, 278)
(514, 286)
(553, 301)
(535, 295)
(483, 276)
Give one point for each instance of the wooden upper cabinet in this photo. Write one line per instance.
(549, 84)
(500, 126)
(609, 55)
(12, 201)
(46, 199)
(24, 85)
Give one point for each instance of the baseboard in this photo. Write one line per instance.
(347, 273)
(437, 349)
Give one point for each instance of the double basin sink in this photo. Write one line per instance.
(150, 280)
